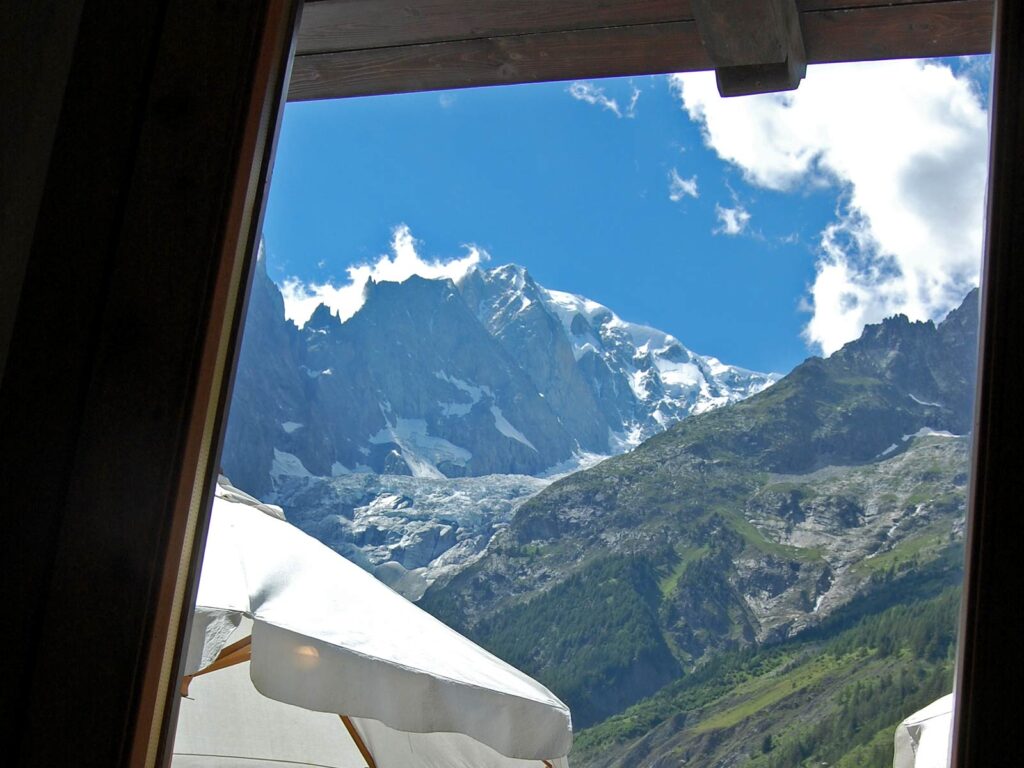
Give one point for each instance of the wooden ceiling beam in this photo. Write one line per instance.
(339, 25)
(962, 28)
(756, 45)
(582, 54)
(364, 47)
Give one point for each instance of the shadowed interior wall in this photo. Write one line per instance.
(36, 43)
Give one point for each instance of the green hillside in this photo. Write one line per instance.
(683, 586)
(832, 699)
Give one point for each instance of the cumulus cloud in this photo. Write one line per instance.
(731, 221)
(678, 187)
(906, 143)
(345, 299)
(589, 93)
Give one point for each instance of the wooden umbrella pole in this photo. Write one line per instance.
(230, 655)
(358, 740)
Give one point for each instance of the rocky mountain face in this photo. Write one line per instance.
(407, 531)
(272, 389)
(744, 526)
(429, 379)
(605, 374)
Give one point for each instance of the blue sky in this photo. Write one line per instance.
(745, 237)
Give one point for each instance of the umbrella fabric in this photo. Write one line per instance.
(225, 721)
(328, 637)
(923, 739)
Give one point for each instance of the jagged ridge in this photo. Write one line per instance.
(760, 518)
(431, 379)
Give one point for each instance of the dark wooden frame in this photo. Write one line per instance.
(364, 47)
(119, 363)
(119, 360)
(990, 668)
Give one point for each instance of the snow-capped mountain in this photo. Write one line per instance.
(495, 375)
(639, 379)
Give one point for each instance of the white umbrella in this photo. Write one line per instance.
(319, 638)
(923, 739)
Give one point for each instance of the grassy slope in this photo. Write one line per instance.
(635, 613)
(698, 522)
(833, 697)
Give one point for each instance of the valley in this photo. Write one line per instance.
(711, 566)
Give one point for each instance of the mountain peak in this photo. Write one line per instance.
(323, 318)
(967, 313)
(492, 374)
(641, 379)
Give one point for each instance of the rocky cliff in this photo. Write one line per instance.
(495, 375)
(754, 521)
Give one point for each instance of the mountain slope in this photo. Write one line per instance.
(424, 384)
(428, 379)
(834, 697)
(760, 518)
(271, 390)
(635, 379)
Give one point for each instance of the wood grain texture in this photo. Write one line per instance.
(115, 379)
(340, 25)
(838, 5)
(349, 25)
(958, 28)
(655, 48)
(900, 30)
(757, 45)
(738, 33)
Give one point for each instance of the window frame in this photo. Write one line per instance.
(109, 681)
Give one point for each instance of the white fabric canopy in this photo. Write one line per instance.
(330, 638)
(923, 739)
(225, 721)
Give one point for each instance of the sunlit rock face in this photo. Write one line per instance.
(495, 375)
(846, 480)
(408, 531)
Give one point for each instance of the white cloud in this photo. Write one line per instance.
(678, 187)
(731, 221)
(633, 99)
(344, 300)
(589, 93)
(907, 144)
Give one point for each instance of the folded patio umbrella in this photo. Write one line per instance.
(923, 739)
(299, 656)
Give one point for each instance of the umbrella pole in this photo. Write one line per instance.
(358, 740)
(235, 653)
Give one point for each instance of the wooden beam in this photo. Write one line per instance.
(740, 33)
(756, 45)
(833, 31)
(328, 26)
(840, 5)
(958, 28)
(345, 25)
(591, 53)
